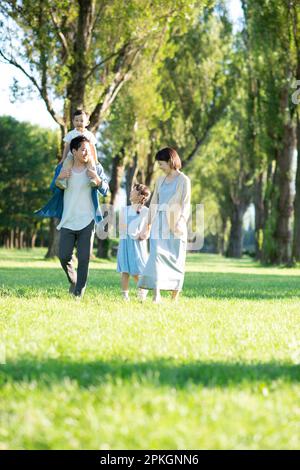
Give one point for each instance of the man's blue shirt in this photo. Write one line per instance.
(55, 207)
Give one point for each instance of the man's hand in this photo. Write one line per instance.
(93, 174)
(64, 173)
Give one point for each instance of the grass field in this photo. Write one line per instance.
(219, 370)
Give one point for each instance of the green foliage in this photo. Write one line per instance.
(197, 80)
(91, 45)
(27, 157)
(272, 29)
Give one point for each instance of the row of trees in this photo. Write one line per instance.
(27, 156)
(175, 73)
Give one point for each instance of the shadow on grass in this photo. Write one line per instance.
(241, 286)
(160, 372)
(51, 282)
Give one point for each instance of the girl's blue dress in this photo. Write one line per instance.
(132, 253)
(166, 264)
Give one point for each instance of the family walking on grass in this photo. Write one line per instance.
(78, 178)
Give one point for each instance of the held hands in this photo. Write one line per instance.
(145, 234)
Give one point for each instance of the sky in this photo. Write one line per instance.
(34, 109)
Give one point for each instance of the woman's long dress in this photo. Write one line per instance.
(166, 264)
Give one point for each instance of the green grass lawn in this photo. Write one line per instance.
(218, 370)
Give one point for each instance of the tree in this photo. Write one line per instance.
(270, 27)
(25, 156)
(80, 53)
(197, 82)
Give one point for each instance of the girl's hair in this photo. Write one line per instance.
(144, 192)
(170, 156)
(79, 112)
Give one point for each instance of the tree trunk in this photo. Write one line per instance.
(17, 238)
(221, 238)
(283, 228)
(53, 239)
(151, 161)
(270, 204)
(11, 241)
(33, 239)
(103, 247)
(21, 239)
(278, 233)
(296, 247)
(259, 215)
(130, 177)
(76, 89)
(235, 246)
(116, 176)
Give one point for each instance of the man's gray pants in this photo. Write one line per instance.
(68, 239)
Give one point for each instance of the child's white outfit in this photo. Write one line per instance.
(69, 160)
(75, 133)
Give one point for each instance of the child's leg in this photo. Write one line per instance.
(94, 154)
(125, 285)
(91, 166)
(67, 164)
(156, 296)
(142, 293)
(175, 295)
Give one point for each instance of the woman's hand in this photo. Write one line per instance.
(64, 173)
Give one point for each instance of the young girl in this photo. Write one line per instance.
(80, 122)
(132, 251)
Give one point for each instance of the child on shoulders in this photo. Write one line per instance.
(80, 122)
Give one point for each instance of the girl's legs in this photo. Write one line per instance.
(142, 293)
(175, 295)
(156, 296)
(125, 285)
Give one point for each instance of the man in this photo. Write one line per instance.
(80, 210)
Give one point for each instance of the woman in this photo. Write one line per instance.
(168, 215)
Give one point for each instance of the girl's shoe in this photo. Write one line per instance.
(125, 294)
(93, 184)
(61, 184)
(142, 294)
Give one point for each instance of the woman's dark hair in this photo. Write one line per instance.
(143, 191)
(170, 156)
(75, 143)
